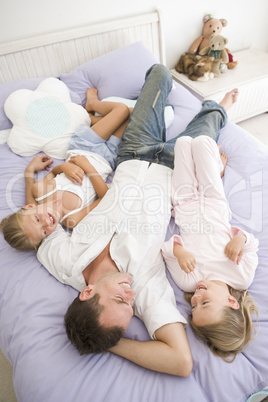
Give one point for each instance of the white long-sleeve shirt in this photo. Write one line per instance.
(205, 235)
(202, 213)
(133, 215)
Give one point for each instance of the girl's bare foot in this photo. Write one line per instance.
(229, 99)
(92, 95)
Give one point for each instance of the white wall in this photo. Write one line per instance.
(247, 19)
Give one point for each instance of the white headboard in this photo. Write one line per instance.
(54, 53)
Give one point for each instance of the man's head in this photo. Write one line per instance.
(99, 316)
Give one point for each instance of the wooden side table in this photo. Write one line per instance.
(250, 76)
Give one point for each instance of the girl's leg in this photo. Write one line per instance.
(184, 183)
(208, 167)
(117, 133)
(120, 131)
(113, 114)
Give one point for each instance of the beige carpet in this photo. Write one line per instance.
(7, 393)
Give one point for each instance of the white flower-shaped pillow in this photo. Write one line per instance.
(44, 119)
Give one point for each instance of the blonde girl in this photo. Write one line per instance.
(212, 261)
(73, 188)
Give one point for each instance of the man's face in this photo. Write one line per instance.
(117, 298)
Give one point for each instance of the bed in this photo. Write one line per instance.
(114, 56)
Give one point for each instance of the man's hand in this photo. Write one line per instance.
(185, 258)
(234, 249)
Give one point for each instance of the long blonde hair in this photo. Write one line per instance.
(229, 336)
(12, 228)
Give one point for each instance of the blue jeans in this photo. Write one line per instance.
(145, 135)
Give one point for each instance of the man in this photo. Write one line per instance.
(113, 254)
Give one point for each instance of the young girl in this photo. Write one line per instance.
(210, 258)
(68, 192)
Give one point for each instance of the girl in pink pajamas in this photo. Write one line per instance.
(211, 260)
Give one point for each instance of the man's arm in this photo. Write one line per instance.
(169, 354)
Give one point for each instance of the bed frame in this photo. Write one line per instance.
(54, 53)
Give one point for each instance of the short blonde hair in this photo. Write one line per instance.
(229, 336)
(12, 228)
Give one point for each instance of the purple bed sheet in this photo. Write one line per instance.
(32, 303)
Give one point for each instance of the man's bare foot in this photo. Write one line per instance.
(224, 162)
(229, 99)
(92, 95)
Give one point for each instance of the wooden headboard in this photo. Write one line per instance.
(54, 53)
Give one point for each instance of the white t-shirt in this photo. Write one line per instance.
(134, 213)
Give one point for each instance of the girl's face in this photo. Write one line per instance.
(39, 221)
(209, 300)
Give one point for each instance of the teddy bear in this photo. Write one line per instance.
(212, 26)
(216, 49)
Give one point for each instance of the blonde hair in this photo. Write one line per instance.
(12, 228)
(229, 336)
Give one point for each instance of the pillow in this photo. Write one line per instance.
(6, 89)
(118, 73)
(4, 136)
(169, 112)
(9, 87)
(44, 119)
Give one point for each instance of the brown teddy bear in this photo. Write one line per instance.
(216, 49)
(212, 26)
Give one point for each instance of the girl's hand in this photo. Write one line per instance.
(234, 249)
(185, 258)
(82, 162)
(39, 162)
(73, 172)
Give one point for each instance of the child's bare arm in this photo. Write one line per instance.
(71, 221)
(38, 163)
(97, 181)
(185, 259)
(73, 172)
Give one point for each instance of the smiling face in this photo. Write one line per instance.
(116, 296)
(39, 221)
(209, 300)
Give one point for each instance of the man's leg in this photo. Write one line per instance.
(209, 121)
(145, 134)
(211, 118)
